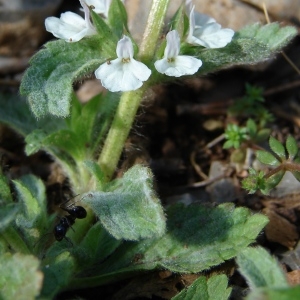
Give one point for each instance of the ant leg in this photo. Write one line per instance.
(69, 241)
(68, 200)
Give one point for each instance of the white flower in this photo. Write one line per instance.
(206, 32)
(123, 73)
(100, 6)
(71, 27)
(173, 64)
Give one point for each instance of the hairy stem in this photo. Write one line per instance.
(130, 101)
(153, 29)
(119, 131)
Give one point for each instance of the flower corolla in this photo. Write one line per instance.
(205, 31)
(123, 73)
(71, 27)
(173, 64)
(100, 6)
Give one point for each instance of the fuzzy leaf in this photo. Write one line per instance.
(105, 33)
(16, 114)
(5, 194)
(98, 175)
(291, 147)
(65, 140)
(57, 273)
(8, 214)
(129, 209)
(290, 293)
(178, 22)
(117, 17)
(215, 288)
(260, 269)
(198, 238)
(252, 44)
(20, 277)
(97, 245)
(267, 158)
(90, 122)
(33, 221)
(277, 147)
(87, 127)
(47, 83)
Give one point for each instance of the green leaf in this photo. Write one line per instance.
(263, 135)
(16, 114)
(109, 39)
(58, 271)
(47, 83)
(8, 214)
(267, 158)
(274, 180)
(197, 239)
(252, 44)
(97, 245)
(291, 293)
(178, 21)
(215, 288)
(94, 168)
(277, 147)
(252, 128)
(291, 147)
(20, 277)
(65, 140)
(260, 269)
(129, 209)
(90, 122)
(117, 17)
(33, 221)
(5, 194)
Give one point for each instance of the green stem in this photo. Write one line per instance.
(130, 101)
(15, 241)
(153, 29)
(119, 130)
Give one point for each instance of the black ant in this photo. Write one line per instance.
(66, 222)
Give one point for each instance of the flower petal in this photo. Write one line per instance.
(125, 48)
(70, 27)
(188, 64)
(162, 65)
(72, 19)
(183, 65)
(213, 36)
(118, 76)
(140, 71)
(204, 31)
(203, 19)
(101, 6)
(63, 30)
(173, 44)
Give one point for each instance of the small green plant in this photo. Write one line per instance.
(126, 229)
(254, 131)
(252, 106)
(234, 135)
(284, 158)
